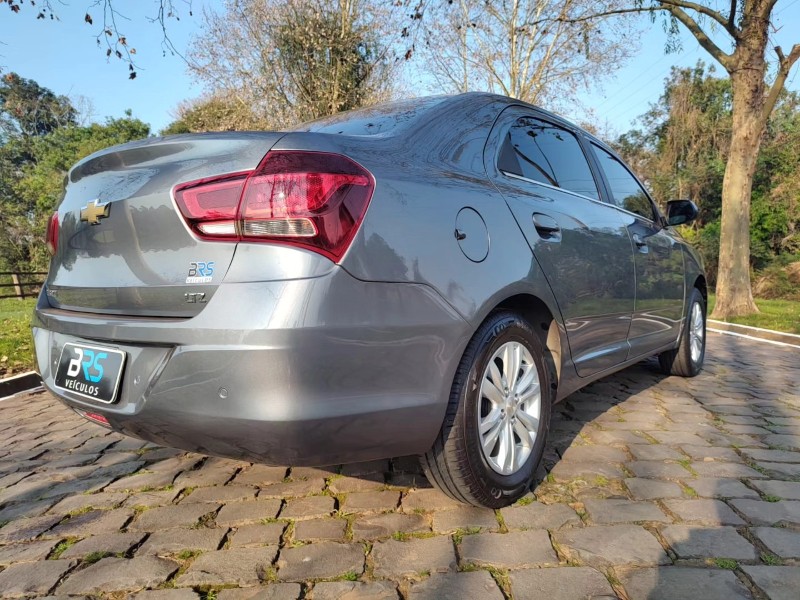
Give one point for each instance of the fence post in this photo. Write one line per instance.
(17, 286)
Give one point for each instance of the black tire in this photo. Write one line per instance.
(456, 463)
(679, 361)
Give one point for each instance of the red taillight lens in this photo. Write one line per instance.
(52, 234)
(311, 199)
(94, 417)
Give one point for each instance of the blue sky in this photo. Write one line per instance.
(64, 57)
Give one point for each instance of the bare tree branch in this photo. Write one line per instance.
(785, 64)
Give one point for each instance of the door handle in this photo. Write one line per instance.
(640, 243)
(546, 226)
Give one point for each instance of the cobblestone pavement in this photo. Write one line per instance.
(655, 488)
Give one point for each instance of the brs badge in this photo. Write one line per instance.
(200, 272)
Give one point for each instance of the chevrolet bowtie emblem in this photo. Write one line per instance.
(94, 211)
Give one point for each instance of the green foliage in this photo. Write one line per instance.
(29, 110)
(34, 161)
(16, 343)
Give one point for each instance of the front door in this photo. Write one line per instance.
(580, 242)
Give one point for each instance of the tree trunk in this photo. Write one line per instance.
(734, 293)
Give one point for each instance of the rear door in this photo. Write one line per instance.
(580, 242)
(658, 257)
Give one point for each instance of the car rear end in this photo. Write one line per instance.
(197, 298)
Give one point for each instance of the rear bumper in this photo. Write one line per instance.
(307, 372)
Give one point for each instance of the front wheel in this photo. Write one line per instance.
(495, 429)
(687, 359)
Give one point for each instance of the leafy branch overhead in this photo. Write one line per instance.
(109, 22)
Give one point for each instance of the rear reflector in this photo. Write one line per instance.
(52, 234)
(314, 200)
(94, 417)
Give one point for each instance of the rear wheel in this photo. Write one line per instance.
(687, 359)
(495, 429)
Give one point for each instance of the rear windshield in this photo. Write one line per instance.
(382, 119)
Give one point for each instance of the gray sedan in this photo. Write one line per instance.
(423, 277)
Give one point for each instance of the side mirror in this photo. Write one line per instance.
(681, 212)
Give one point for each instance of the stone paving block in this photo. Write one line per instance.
(779, 583)
(429, 499)
(566, 583)
(273, 591)
(514, 550)
(712, 542)
(266, 534)
(26, 510)
(785, 442)
(363, 483)
(261, 475)
(654, 452)
(371, 501)
(656, 469)
(782, 470)
(320, 529)
(240, 566)
(759, 512)
(678, 438)
(539, 516)
(724, 469)
(711, 453)
(395, 559)
(318, 561)
(652, 489)
(312, 507)
(141, 481)
(707, 512)
(174, 594)
(447, 521)
(25, 552)
(456, 586)
(787, 490)
(782, 542)
(241, 513)
(220, 494)
(612, 545)
(569, 470)
(380, 526)
(624, 511)
(669, 583)
(292, 489)
(355, 590)
(111, 543)
(214, 472)
(595, 453)
(93, 522)
(78, 502)
(26, 579)
(762, 454)
(167, 517)
(151, 499)
(26, 529)
(119, 574)
(715, 487)
(174, 541)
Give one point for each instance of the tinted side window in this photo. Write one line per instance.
(625, 190)
(543, 152)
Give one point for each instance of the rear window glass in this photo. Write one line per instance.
(383, 119)
(549, 154)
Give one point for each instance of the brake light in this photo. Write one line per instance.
(94, 417)
(52, 234)
(314, 200)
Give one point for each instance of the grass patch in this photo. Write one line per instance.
(601, 481)
(16, 342)
(62, 547)
(770, 559)
(524, 501)
(772, 498)
(726, 563)
(350, 576)
(189, 554)
(780, 315)
(92, 558)
(458, 536)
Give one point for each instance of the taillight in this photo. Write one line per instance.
(94, 417)
(315, 200)
(52, 234)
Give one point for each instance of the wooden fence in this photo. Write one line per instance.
(23, 285)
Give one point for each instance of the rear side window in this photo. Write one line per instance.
(625, 190)
(549, 154)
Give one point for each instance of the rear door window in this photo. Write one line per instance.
(625, 190)
(546, 153)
